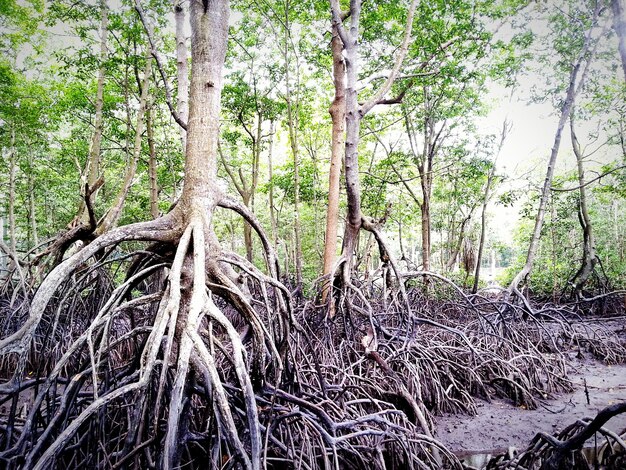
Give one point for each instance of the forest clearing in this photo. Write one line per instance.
(364, 234)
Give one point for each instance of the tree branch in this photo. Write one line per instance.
(384, 89)
(157, 57)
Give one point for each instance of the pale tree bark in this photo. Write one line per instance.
(355, 220)
(338, 116)
(292, 121)
(12, 189)
(459, 237)
(270, 192)
(619, 24)
(152, 165)
(113, 214)
(31, 202)
(182, 69)
(247, 190)
(583, 60)
(434, 136)
(590, 256)
(506, 128)
(94, 160)
(425, 168)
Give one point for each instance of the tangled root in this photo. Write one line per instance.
(564, 450)
(183, 353)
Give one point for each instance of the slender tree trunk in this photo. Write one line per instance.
(619, 24)
(152, 166)
(31, 202)
(93, 163)
(112, 216)
(338, 116)
(12, 184)
(425, 168)
(458, 244)
(590, 256)
(425, 212)
(354, 113)
(292, 119)
(247, 231)
(251, 190)
(572, 90)
(553, 219)
(182, 69)
(483, 228)
(483, 216)
(353, 122)
(270, 175)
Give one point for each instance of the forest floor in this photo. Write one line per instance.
(500, 425)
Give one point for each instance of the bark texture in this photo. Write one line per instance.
(338, 116)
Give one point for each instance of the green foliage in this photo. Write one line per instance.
(283, 179)
(47, 100)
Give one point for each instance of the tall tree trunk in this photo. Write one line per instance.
(270, 192)
(506, 127)
(112, 216)
(590, 256)
(292, 119)
(247, 232)
(32, 206)
(338, 116)
(12, 190)
(424, 161)
(93, 162)
(425, 212)
(458, 243)
(182, 69)
(573, 87)
(354, 113)
(619, 24)
(152, 166)
(353, 122)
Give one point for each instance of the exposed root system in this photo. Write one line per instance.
(115, 368)
(565, 450)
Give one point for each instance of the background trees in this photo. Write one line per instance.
(419, 151)
(153, 318)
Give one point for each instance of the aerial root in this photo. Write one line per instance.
(564, 450)
(171, 377)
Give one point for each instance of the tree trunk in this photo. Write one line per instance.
(483, 216)
(292, 120)
(12, 189)
(247, 232)
(338, 116)
(182, 70)
(93, 162)
(152, 167)
(425, 211)
(354, 113)
(458, 244)
(572, 90)
(31, 202)
(112, 216)
(270, 192)
(619, 24)
(590, 256)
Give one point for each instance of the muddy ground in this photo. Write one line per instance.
(500, 425)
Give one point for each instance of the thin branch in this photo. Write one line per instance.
(157, 57)
(384, 89)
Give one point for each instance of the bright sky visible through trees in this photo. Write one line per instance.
(291, 234)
